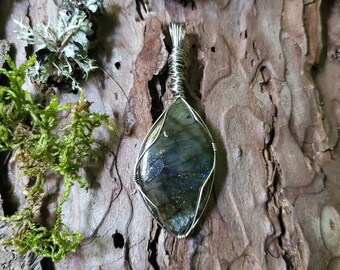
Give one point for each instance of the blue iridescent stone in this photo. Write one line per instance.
(175, 167)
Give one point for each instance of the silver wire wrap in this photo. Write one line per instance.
(177, 59)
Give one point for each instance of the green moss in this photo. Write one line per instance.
(41, 147)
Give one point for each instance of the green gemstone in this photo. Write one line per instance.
(174, 170)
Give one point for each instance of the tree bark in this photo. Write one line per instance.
(265, 77)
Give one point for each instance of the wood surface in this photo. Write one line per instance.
(265, 75)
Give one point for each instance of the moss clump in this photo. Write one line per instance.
(42, 147)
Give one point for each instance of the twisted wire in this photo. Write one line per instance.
(177, 59)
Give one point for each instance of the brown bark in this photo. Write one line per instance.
(265, 75)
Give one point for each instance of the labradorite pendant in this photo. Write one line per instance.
(175, 167)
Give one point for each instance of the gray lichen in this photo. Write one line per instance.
(91, 6)
(62, 50)
(4, 49)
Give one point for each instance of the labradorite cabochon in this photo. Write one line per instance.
(174, 170)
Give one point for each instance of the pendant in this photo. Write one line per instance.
(175, 166)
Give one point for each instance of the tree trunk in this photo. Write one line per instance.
(265, 77)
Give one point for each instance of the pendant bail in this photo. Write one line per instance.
(177, 59)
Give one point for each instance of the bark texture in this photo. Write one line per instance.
(266, 77)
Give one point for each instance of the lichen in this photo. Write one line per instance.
(42, 146)
(62, 49)
(4, 49)
(91, 6)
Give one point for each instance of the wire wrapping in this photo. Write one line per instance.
(177, 59)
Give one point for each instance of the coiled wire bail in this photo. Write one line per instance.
(177, 59)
